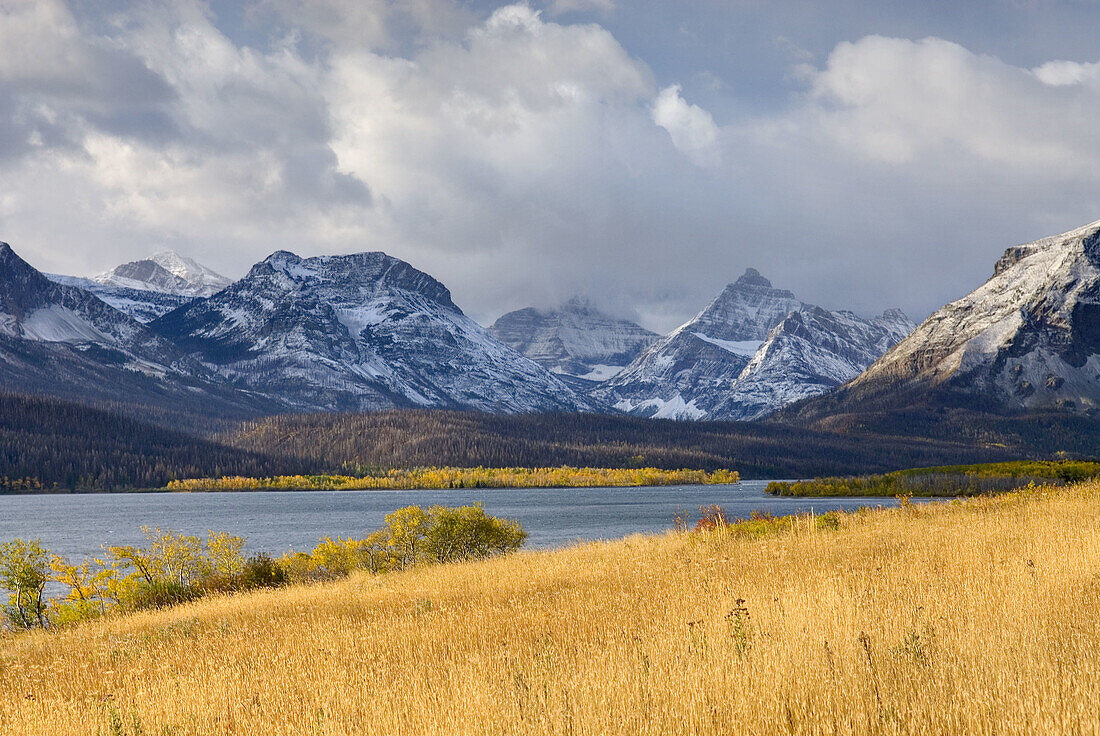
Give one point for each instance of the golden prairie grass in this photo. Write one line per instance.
(955, 618)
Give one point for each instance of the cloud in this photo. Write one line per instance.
(901, 101)
(1067, 73)
(523, 159)
(385, 25)
(167, 132)
(692, 128)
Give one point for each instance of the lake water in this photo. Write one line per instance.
(274, 522)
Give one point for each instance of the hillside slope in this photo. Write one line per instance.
(468, 439)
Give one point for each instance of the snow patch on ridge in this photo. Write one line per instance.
(746, 348)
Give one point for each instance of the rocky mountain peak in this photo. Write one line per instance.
(1028, 337)
(166, 272)
(357, 274)
(363, 331)
(752, 277)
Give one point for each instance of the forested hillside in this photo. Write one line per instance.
(46, 444)
(433, 438)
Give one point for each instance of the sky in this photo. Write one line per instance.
(865, 155)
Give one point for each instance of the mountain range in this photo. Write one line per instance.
(750, 352)
(371, 332)
(357, 332)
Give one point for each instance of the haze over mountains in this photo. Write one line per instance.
(575, 341)
(370, 332)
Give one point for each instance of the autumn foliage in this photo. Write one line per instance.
(439, 478)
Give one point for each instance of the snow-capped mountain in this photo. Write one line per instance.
(34, 308)
(363, 331)
(752, 351)
(61, 340)
(166, 272)
(575, 340)
(1027, 338)
(141, 304)
(688, 373)
(812, 351)
(148, 288)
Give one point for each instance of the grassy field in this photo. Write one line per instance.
(967, 617)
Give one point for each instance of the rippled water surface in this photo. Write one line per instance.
(76, 525)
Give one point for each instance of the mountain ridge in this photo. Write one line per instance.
(362, 331)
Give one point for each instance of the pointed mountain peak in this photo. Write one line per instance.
(752, 277)
(204, 280)
(166, 272)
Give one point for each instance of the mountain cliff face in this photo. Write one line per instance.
(1028, 338)
(574, 341)
(364, 331)
(753, 350)
(36, 309)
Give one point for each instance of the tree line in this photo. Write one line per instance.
(427, 438)
(438, 478)
(52, 445)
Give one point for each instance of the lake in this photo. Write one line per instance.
(274, 522)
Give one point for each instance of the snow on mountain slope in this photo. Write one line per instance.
(141, 304)
(812, 351)
(574, 340)
(1029, 337)
(363, 331)
(34, 308)
(166, 272)
(688, 373)
(60, 340)
(752, 351)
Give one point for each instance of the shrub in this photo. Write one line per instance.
(261, 571)
(24, 570)
(162, 594)
(469, 533)
(711, 517)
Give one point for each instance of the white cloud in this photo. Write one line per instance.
(692, 128)
(1067, 73)
(916, 102)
